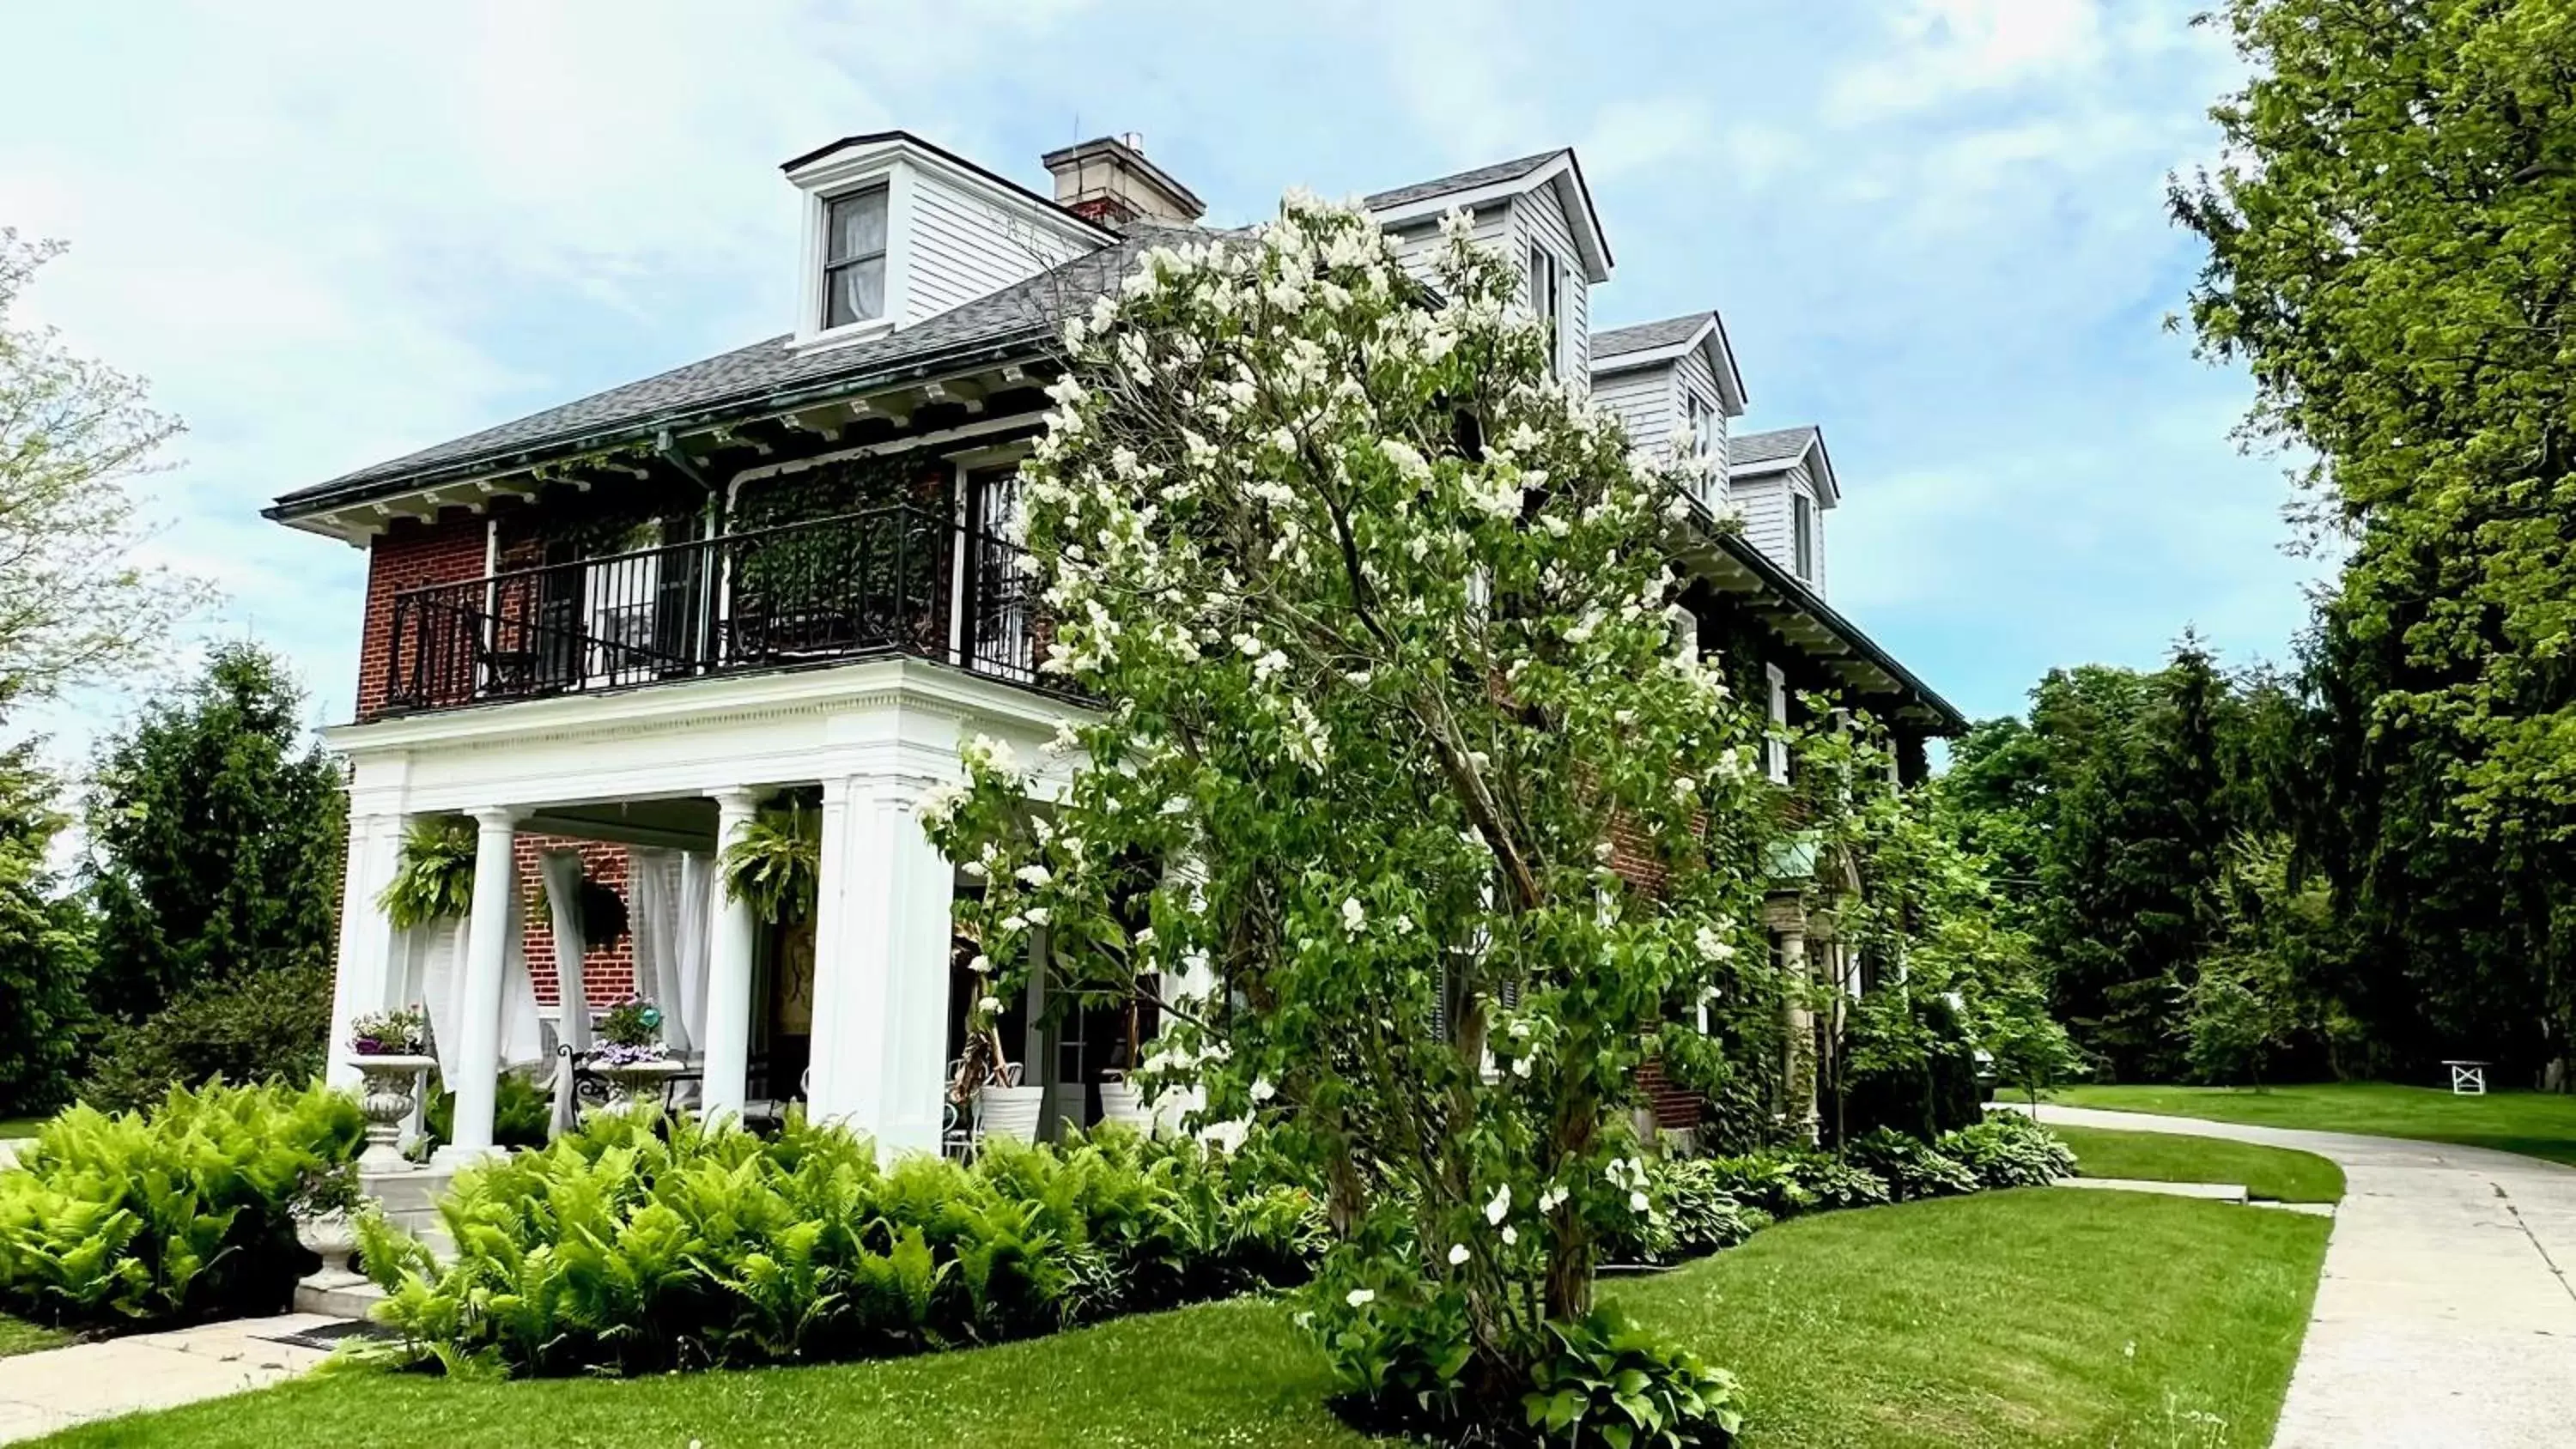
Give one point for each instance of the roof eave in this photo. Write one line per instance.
(1946, 719)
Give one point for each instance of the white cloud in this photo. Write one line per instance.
(1945, 49)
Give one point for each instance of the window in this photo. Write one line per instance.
(1547, 303)
(1775, 749)
(854, 257)
(1803, 514)
(1703, 427)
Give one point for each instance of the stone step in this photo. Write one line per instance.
(337, 1295)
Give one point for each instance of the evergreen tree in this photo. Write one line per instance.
(216, 837)
(44, 945)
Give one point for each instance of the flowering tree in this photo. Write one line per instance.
(1386, 618)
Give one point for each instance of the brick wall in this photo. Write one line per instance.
(607, 972)
(412, 554)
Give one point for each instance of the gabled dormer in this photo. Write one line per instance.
(1783, 484)
(1674, 385)
(1535, 211)
(896, 231)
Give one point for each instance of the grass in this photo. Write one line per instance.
(20, 1126)
(2536, 1124)
(19, 1336)
(2277, 1173)
(2031, 1318)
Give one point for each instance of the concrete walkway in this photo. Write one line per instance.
(60, 1387)
(2447, 1315)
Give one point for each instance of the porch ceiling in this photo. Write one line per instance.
(677, 824)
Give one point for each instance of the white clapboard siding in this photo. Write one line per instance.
(963, 247)
(1642, 399)
(1764, 500)
(1537, 217)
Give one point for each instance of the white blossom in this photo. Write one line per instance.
(1354, 916)
(1457, 1254)
(1359, 1298)
(1500, 1206)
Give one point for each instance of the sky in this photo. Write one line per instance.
(330, 234)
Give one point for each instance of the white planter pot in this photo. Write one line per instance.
(638, 1083)
(1010, 1112)
(1122, 1104)
(391, 1089)
(330, 1235)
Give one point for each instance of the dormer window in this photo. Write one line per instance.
(1547, 303)
(854, 258)
(1703, 427)
(1803, 534)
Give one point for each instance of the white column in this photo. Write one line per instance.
(363, 977)
(733, 929)
(487, 944)
(881, 965)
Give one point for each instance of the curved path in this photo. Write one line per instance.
(2447, 1312)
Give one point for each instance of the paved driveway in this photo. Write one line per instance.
(2447, 1315)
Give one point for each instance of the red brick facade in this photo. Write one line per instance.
(607, 972)
(410, 555)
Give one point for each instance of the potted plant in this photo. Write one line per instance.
(774, 864)
(325, 1207)
(391, 1051)
(630, 1053)
(434, 879)
(990, 1083)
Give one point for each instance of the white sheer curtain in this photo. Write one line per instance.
(653, 916)
(523, 1034)
(696, 920)
(561, 870)
(435, 953)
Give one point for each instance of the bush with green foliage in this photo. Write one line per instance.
(1911, 1167)
(263, 1026)
(2010, 1150)
(176, 1213)
(44, 944)
(522, 1112)
(640, 1244)
(1610, 1383)
(1694, 1212)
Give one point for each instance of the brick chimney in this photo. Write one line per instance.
(1110, 181)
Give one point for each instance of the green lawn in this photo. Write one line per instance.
(20, 1126)
(19, 1336)
(2536, 1124)
(2266, 1172)
(2037, 1317)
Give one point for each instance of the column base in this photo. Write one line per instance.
(451, 1157)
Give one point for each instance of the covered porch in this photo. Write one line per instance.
(853, 1010)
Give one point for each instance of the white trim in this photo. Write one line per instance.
(963, 432)
(1775, 749)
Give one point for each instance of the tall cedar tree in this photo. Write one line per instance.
(216, 837)
(2394, 258)
(44, 945)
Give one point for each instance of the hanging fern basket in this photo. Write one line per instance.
(434, 877)
(776, 864)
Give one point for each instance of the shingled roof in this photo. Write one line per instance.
(1015, 316)
(1782, 445)
(1499, 173)
(1647, 336)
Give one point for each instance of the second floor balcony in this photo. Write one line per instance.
(899, 579)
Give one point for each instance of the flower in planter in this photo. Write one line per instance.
(390, 1033)
(634, 1022)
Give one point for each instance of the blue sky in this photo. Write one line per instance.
(329, 235)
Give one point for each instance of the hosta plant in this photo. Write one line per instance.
(2010, 1150)
(1609, 1383)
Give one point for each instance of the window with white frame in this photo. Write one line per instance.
(1803, 519)
(854, 257)
(1547, 302)
(1703, 427)
(1775, 748)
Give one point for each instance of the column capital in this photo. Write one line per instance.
(739, 802)
(498, 817)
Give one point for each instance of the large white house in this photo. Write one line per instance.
(609, 632)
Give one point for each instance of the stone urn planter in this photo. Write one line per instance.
(391, 1090)
(330, 1236)
(1010, 1112)
(637, 1084)
(1122, 1104)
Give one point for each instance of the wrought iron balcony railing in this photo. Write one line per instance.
(892, 580)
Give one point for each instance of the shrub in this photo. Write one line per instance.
(1826, 1181)
(639, 1244)
(521, 1114)
(2010, 1150)
(264, 1026)
(176, 1213)
(1694, 1212)
(1911, 1167)
(1765, 1181)
(1607, 1382)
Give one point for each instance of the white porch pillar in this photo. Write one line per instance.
(363, 978)
(487, 944)
(881, 939)
(733, 929)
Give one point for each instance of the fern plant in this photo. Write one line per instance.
(434, 879)
(775, 864)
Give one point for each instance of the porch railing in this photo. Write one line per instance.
(892, 580)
